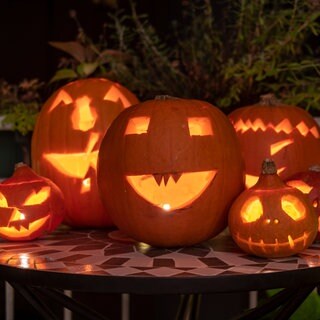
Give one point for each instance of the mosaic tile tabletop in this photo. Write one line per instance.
(97, 252)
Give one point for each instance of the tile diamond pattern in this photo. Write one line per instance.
(92, 252)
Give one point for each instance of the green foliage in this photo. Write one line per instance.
(20, 104)
(308, 310)
(225, 52)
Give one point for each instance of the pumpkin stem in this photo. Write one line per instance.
(268, 99)
(165, 97)
(268, 167)
(19, 165)
(315, 168)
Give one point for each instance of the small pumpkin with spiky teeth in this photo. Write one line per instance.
(30, 205)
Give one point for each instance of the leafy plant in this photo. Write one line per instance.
(20, 103)
(309, 309)
(225, 52)
(87, 58)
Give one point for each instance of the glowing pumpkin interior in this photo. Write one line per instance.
(21, 220)
(283, 128)
(304, 188)
(253, 211)
(171, 191)
(83, 118)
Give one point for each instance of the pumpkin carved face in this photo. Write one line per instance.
(160, 184)
(308, 182)
(272, 219)
(287, 134)
(29, 206)
(162, 181)
(66, 141)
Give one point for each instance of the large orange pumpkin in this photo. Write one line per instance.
(30, 205)
(66, 141)
(287, 134)
(272, 219)
(168, 170)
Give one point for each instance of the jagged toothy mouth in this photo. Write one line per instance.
(171, 191)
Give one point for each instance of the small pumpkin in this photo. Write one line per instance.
(168, 170)
(270, 129)
(66, 140)
(30, 205)
(308, 182)
(272, 219)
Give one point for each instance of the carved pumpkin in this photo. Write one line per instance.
(66, 141)
(287, 134)
(168, 169)
(308, 182)
(272, 219)
(30, 205)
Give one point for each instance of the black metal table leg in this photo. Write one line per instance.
(293, 304)
(71, 304)
(184, 298)
(35, 301)
(195, 308)
(268, 306)
(189, 307)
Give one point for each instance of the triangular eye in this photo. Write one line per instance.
(278, 146)
(62, 97)
(138, 125)
(3, 201)
(300, 185)
(115, 94)
(293, 207)
(37, 197)
(200, 126)
(252, 210)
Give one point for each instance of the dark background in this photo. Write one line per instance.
(26, 27)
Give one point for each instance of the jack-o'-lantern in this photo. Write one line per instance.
(66, 141)
(272, 219)
(287, 134)
(168, 169)
(309, 183)
(30, 205)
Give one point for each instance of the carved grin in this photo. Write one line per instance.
(20, 228)
(276, 245)
(171, 191)
(283, 126)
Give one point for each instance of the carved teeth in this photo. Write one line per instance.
(158, 178)
(276, 244)
(166, 177)
(284, 126)
(176, 176)
(18, 224)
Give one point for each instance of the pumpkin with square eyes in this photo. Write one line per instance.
(272, 219)
(165, 173)
(287, 134)
(66, 140)
(308, 182)
(30, 205)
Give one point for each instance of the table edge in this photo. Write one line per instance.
(161, 285)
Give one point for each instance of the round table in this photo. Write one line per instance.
(103, 261)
